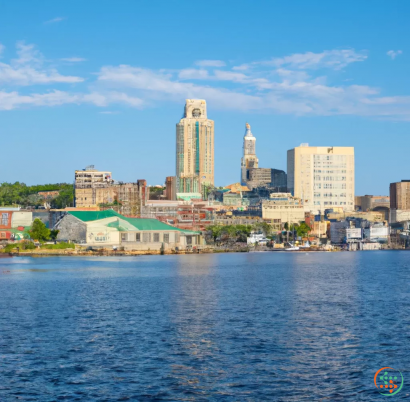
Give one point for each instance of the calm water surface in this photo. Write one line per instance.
(228, 327)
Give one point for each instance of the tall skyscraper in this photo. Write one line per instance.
(249, 159)
(322, 176)
(194, 149)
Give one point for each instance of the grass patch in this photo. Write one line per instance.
(58, 246)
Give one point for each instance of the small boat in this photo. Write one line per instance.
(292, 247)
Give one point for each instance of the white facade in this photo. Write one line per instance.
(282, 208)
(249, 159)
(257, 238)
(323, 177)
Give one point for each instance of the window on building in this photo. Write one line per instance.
(124, 236)
(189, 240)
(3, 235)
(166, 237)
(5, 219)
(138, 237)
(156, 237)
(146, 237)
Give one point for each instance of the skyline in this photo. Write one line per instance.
(70, 86)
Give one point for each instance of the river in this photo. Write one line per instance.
(207, 327)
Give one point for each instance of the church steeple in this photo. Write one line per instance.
(249, 159)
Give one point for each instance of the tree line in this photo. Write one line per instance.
(21, 194)
(239, 233)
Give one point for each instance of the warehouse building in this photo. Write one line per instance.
(108, 229)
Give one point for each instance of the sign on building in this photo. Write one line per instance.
(355, 233)
(379, 232)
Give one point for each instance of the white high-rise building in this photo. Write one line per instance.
(249, 159)
(323, 177)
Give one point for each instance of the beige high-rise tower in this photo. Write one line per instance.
(323, 177)
(194, 149)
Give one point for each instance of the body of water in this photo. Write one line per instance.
(229, 327)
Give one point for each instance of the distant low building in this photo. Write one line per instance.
(94, 188)
(237, 187)
(399, 215)
(400, 195)
(14, 224)
(170, 188)
(371, 216)
(266, 177)
(380, 203)
(231, 198)
(282, 208)
(108, 229)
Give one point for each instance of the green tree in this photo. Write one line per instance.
(215, 230)
(303, 229)
(54, 234)
(20, 194)
(262, 227)
(39, 231)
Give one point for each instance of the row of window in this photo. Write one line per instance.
(330, 178)
(333, 203)
(329, 171)
(329, 157)
(330, 195)
(145, 237)
(330, 186)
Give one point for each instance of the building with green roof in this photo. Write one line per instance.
(109, 228)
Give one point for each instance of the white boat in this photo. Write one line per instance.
(292, 247)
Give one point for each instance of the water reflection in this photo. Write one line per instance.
(193, 314)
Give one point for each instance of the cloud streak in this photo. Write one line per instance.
(73, 59)
(55, 20)
(210, 63)
(393, 53)
(28, 69)
(293, 84)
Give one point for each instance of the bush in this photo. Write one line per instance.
(58, 246)
(9, 248)
(26, 245)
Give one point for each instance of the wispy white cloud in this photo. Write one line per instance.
(54, 20)
(27, 54)
(304, 97)
(210, 63)
(292, 84)
(13, 100)
(334, 59)
(2, 47)
(394, 53)
(73, 59)
(28, 69)
(193, 74)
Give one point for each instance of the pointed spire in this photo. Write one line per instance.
(248, 132)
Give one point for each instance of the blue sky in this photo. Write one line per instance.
(104, 83)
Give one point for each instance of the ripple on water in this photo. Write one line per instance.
(259, 326)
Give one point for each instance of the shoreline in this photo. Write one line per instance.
(134, 253)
